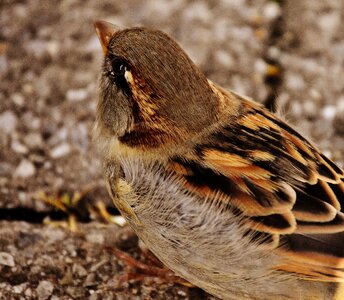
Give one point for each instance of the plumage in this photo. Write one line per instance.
(284, 192)
(195, 167)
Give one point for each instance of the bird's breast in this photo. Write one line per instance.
(203, 244)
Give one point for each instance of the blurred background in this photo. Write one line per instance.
(288, 55)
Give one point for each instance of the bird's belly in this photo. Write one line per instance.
(199, 241)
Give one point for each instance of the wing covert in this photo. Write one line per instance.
(281, 183)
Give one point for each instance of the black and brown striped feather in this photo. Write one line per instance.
(281, 183)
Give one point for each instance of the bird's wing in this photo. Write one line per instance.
(285, 187)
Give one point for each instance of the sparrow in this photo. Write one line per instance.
(222, 191)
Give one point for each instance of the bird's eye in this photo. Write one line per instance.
(118, 67)
(116, 71)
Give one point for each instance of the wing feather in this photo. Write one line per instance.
(283, 185)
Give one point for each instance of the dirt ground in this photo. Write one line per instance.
(285, 54)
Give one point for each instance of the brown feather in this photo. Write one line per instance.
(283, 184)
(333, 226)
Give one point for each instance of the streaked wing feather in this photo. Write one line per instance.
(281, 183)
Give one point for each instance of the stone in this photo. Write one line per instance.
(76, 292)
(95, 237)
(77, 95)
(90, 280)
(44, 289)
(6, 259)
(33, 140)
(18, 147)
(79, 270)
(25, 169)
(329, 112)
(271, 10)
(60, 150)
(8, 121)
(18, 99)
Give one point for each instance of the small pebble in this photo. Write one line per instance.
(271, 10)
(24, 199)
(55, 234)
(31, 121)
(28, 88)
(25, 169)
(329, 112)
(90, 280)
(260, 66)
(198, 11)
(224, 59)
(93, 296)
(8, 121)
(95, 237)
(19, 289)
(79, 270)
(95, 267)
(79, 135)
(76, 292)
(6, 259)
(330, 22)
(44, 289)
(315, 94)
(33, 140)
(53, 48)
(38, 160)
(181, 293)
(28, 293)
(18, 99)
(274, 52)
(77, 95)
(19, 147)
(294, 82)
(60, 150)
(36, 47)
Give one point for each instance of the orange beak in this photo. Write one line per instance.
(105, 31)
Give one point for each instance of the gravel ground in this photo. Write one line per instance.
(287, 54)
(44, 262)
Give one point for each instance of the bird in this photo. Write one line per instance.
(224, 192)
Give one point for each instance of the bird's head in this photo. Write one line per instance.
(151, 93)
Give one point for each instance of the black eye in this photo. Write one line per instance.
(116, 70)
(118, 67)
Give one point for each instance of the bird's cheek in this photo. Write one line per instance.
(115, 112)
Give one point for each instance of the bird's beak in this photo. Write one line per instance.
(105, 31)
